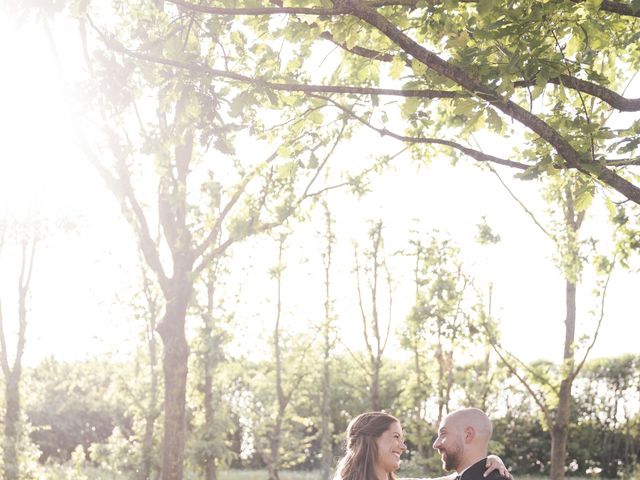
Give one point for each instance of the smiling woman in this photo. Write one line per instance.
(374, 444)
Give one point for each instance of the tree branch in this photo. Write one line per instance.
(616, 7)
(606, 6)
(360, 51)
(205, 70)
(475, 154)
(571, 156)
(257, 11)
(4, 355)
(608, 96)
(23, 289)
(576, 371)
(614, 99)
(209, 240)
(363, 316)
(524, 207)
(121, 187)
(623, 162)
(539, 401)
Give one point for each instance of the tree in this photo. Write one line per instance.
(548, 66)
(606, 440)
(557, 69)
(328, 340)
(376, 326)
(440, 319)
(212, 420)
(156, 125)
(73, 404)
(152, 409)
(142, 384)
(555, 395)
(413, 339)
(285, 382)
(28, 237)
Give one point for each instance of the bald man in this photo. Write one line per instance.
(463, 441)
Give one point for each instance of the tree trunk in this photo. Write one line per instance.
(325, 440)
(375, 385)
(441, 374)
(175, 360)
(11, 426)
(210, 470)
(420, 444)
(150, 418)
(325, 433)
(559, 432)
(147, 446)
(560, 428)
(281, 400)
(12, 375)
(274, 459)
(152, 407)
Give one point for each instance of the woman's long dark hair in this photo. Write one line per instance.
(361, 453)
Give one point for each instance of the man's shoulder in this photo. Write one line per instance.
(495, 475)
(476, 472)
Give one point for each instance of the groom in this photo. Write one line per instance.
(462, 442)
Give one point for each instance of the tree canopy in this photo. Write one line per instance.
(431, 74)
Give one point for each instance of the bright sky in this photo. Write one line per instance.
(81, 276)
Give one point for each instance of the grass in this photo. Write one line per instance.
(68, 473)
(262, 475)
(315, 475)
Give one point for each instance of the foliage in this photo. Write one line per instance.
(599, 440)
(71, 404)
(457, 69)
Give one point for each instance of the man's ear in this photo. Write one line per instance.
(469, 434)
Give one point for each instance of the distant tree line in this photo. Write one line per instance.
(91, 407)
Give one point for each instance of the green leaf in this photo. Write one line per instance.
(285, 152)
(242, 101)
(537, 91)
(485, 6)
(593, 5)
(397, 66)
(173, 48)
(418, 67)
(494, 120)
(584, 197)
(224, 146)
(410, 106)
(286, 169)
(611, 207)
(363, 73)
(316, 117)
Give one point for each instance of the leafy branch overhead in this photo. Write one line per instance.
(559, 69)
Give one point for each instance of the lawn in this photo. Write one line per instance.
(68, 473)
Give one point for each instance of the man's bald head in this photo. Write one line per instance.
(463, 438)
(474, 418)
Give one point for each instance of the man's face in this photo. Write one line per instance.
(449, 444)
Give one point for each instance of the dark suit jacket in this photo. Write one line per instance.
(475, 472)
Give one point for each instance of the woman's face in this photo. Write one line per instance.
(390, 447)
